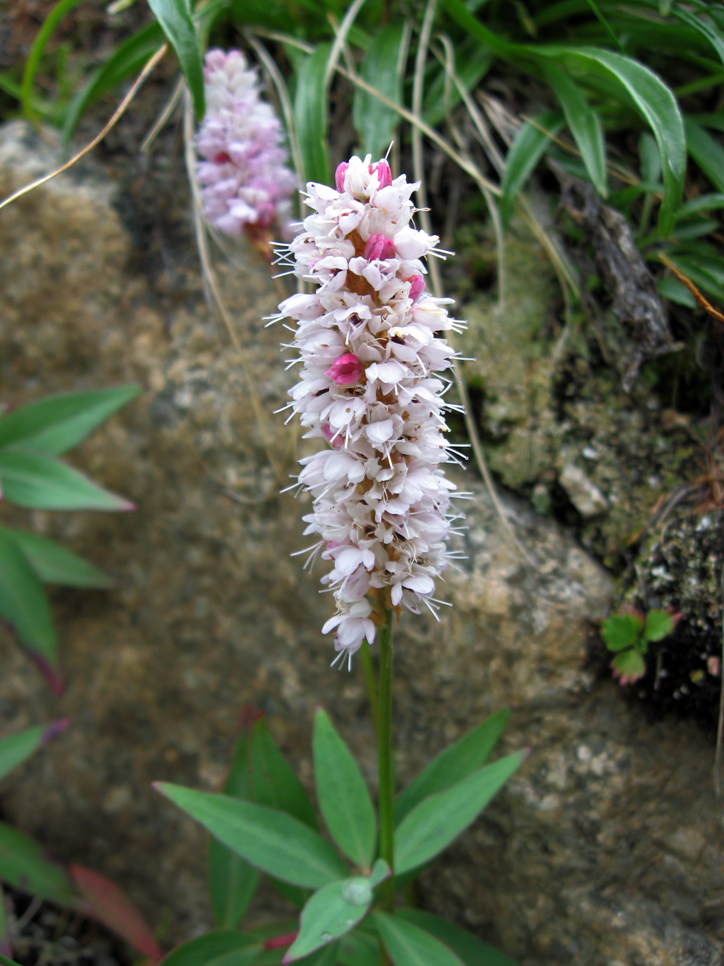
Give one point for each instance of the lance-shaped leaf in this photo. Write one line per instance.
(342, 794)
(410, 946)
(272, 841)
(232, 881)
(56, 424)
(530, 144)
(584, 124)
(437, 820)
(174, 16)
(23, 603)
(109, 904)
(310, 115)
(707, 153)
(39, 482)
(653, 100)
(54, 564)
(223, 947)
(273, 782)
(359, 948)
(471, 950)
(15, 749)
(331, 912)
(383, 68)
(5, 961)
(24, 865)
(454, 763)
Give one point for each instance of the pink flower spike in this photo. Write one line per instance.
(379, 246)
(345, 370)
(384, 173)
(417, 287)
(339, 175)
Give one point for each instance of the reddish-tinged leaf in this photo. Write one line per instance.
(108, 903)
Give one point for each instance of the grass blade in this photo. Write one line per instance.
(174, 16)
(310, 115)
(584, 124)
(384, 65)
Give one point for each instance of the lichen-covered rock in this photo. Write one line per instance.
(606, 847)
(557, 426)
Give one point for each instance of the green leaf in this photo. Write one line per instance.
(174, 16)
(675, 291)
(650, 159)
(410, 946)
(272, 841)
(621, 631)
(383, 68)
(359, 949)
(471, 950)
(436, 821)
(297, 896)
(15, 749)
(327, 956)
(472, 27)
(584, 124)
(4, 961)
(454, 763)
(629, 666)
(24, 866)
(342, 794)
(39, 482)
(530, 144)
(58, 423)
(707, 153)
(223, 947)
(53, 564)
(659, 624)
(704, 203)
(232, 881)
(128, 58)
(310, 115)
(706, 272)
(331, 912)
(704, 28)
(36, 52)
(273, 782)
(649, 95)
(23, 602)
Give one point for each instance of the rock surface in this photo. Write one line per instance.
(605, 849)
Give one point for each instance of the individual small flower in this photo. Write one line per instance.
(246, 182)
(371, 352)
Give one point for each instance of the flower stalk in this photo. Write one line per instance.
(385, 763)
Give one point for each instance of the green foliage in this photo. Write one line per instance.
(223, 947)
(335, 925)
(471, 950)
(628, 636)
(24, 865)
(32, 438)
(15, 749)
(342, 794)
(174, 17)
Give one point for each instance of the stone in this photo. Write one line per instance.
(591, 853)
(585, 495)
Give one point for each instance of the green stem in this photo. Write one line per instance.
(368, 673)
(385, 763)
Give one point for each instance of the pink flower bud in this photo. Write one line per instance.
(417, 286)
(345, 370)
(379, 246)
(384, 174)
(336, 441)
(339, 175)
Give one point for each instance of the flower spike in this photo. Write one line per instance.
(369, 342)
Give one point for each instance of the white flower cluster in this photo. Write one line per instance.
(246, 181)
(368, 340)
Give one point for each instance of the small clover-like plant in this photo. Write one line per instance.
(32, 438)
(628, 636)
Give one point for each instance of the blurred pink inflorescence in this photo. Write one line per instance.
(246, 183)
(369, 342)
